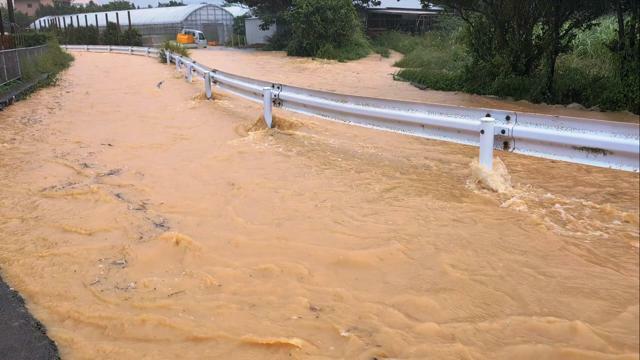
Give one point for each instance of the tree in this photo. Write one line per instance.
(171, 3)
(560, 21)
(65, 8)
(325, 28)
(501, 33)
(518, 37)
(21, 19)
(626, 48)
(271, 10)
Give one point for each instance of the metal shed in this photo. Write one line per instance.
(400, 15)
(156, 24)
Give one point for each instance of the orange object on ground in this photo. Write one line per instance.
(184, 39)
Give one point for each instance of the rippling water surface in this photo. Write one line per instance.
(140, 221)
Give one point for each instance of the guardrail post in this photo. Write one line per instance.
(177, 59)
(207, 84)
(130, 50)
(189, 72)
(146, 51)
(266, 99)
(486, 142)
(167, 55)
(109, 48)
(86, 48)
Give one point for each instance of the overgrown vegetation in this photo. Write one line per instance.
(173, 47)
(66, 8)
(590, 69)
(33, 39)
(328, 29)
(90, 35)
(51, 63)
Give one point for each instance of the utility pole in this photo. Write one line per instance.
(1, 32)
(12, 17)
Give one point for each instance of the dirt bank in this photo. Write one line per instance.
(371, 76)
(139, 220)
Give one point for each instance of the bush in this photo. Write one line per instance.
(80, 35)
(327, 29)
(51, 63)
(131, 37)
(280, 39)
(111, 35)
(175, 48)
(29, 39)
(589, 74)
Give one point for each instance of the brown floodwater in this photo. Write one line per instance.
(141, 221)
(372, 76)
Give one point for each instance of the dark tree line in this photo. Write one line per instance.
(521, 37)
(63, 8)
(271, 10)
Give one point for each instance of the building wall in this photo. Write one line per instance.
(254, 34)
(29, 7)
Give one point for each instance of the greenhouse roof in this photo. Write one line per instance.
(153, 16)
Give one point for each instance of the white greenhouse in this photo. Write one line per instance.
(156, 24)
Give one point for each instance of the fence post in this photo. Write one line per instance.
(207, 84)
(189, 72)
(486, 142)
(266, 99)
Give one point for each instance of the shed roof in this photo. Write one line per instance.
(404, 4)
(237, 10)
(163, 15)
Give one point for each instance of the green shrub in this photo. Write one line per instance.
(175, 48)
(111, 35)
(80, 35)
(326, 29)
(29, 39)
(131, 37)
(280, 39)
(589, 74)
(51, 62)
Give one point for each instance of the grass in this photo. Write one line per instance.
(586, 75)
(435, 59)
(358, 48)
(51, 63)
(175, 48)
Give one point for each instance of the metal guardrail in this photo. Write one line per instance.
(10, 61)
(592, 142)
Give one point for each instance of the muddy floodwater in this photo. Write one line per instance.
(372, 76)
(140, 221)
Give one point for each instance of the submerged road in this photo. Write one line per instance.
(139, 220)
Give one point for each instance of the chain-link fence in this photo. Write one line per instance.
(10, 61)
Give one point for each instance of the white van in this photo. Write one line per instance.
(199, 40)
